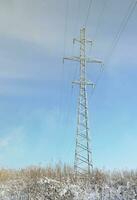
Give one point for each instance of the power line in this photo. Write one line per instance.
(101, 16)
(88, 13)
(71, 92)
(66, 25)
(70, 96)
(78, 13)
(123, 25)
(64, 51)
(125, 20)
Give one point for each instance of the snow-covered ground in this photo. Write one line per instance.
(48, 189)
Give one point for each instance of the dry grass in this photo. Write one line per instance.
(59, 173)
(64, 173)
(33, 183)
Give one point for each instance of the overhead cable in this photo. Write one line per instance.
(88, 13)
(123, 25)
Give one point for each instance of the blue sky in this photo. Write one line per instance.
(37, 103)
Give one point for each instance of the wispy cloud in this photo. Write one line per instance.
(16, 135)
(41, 24)
(12, 146)
(33, 21)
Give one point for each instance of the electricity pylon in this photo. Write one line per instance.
(83, 154)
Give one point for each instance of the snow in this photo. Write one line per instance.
(49, 189)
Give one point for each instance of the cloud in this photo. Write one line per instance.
(12, 147)
(39, 22)
(16, 135)
(37, 28)
(4, 142)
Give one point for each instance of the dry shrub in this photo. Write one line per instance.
(65, 173)
(6, 175)
(98, 177)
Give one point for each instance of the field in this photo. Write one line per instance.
(58, 183)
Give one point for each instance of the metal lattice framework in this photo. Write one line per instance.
(83, 155)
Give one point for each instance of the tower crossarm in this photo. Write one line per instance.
(84, 83)
(88, 60)
(80, 58)
(73, 58)
(80, 41)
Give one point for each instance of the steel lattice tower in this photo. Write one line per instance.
(83, 154)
